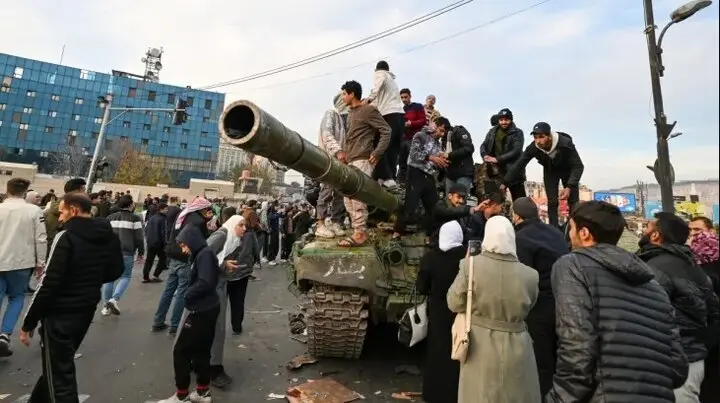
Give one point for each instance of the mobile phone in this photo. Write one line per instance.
(474, 247)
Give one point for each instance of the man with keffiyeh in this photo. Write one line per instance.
(197, 213)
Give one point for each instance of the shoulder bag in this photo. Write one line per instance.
(461, 326)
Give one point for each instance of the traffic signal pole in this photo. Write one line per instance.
(103, 128)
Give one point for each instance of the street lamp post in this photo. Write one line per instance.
(664, 172)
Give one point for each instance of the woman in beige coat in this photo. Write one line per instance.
(500, 365)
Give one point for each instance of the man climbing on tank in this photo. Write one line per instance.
(453, 208)
(557, 154)
(457, 147)
(330, 202)
(501, 149)
(364, 123)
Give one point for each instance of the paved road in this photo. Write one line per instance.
(122, 361)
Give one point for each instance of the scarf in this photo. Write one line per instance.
(499, 237)
(232, 241)
(196, 205)
(451, 236)
(705, 248)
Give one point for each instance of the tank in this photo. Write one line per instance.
(347, 288)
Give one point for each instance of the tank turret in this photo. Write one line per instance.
(246, 126)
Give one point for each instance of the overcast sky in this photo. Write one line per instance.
(580, 65)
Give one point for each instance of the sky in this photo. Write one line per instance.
(580, 65)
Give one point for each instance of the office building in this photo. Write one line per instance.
(229, 157)
(51, 113)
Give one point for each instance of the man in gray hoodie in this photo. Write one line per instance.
(332, 140)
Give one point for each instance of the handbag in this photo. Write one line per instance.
(413, 325)
(461, 326)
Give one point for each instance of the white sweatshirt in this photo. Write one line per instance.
(385, 95)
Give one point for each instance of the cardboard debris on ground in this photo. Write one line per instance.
(406, 395)
(301, 360)
(326, 390)
(275, 396)
(299, 338)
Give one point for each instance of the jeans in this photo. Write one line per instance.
(13, 283)
(116, 289)
(464, 181)
(175, 285)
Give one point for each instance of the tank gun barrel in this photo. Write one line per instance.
(244, 125)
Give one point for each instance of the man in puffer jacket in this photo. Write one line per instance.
(696, 305)
(385, 96)
(617, 338)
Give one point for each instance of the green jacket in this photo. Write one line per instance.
(52, 221)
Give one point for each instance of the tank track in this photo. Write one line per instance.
(337, 321)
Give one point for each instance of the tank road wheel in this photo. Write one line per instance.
(337, 321)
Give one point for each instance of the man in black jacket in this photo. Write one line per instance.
(196, 214)
(191, 351)
(457, 147)
(617, 338)
(556, 152)
(539, 246)
(502, 149)
(155, 238)
(128, 227)
(471, 219)
(84, 255)
(696, 305)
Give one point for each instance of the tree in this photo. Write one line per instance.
(259, 171)
(71, 160)
(136, 168)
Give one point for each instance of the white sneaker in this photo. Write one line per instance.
(337, 229)
(283, 260)
(105, 312)
(195, 398)
(175, 399)
(264, 260)
(272, 263)
(323, 231)
(112, 305)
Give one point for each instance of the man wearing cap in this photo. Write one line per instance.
(539, 246)
(557, 154)
(502, 149)
(453, 208)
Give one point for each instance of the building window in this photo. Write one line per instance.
(146, 127)
(171, 99)
(144, 142)
(75, 117)
(109, 144)
(24, 126)
(79, 101)
(151, 95)
(7, 81)
(132, 92)
(52, 114)
(126, 124)
(72, 133)
(0, 123)
(27, 110)
(87, 75)
(190, 101)
(94, 135)
(86, 150)
(123, 139)
(185, 132)
(208, 103)
(22, 134)
(206, 149)
(18, 73)
(97, 120)
(71, 140)
(16, 117)
(148, 113)
(30, 94)
(3, 107)
(5, 89)
(206, 119)
(183, 146)
(55, 97)
(18, 151)
(48, 129)
(163, 144)
(166, 129)
(203, 134)
(44, 154)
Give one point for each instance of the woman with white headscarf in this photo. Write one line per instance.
(438, 269)
(500, 365)
(236, 251)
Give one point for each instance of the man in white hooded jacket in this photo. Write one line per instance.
(332, 140)
(385, 96)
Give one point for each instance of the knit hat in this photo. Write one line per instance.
(525, 208)
(505, 113)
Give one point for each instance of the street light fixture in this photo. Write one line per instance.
(663, 170)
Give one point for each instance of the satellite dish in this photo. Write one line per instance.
(143, 60)
(158, 66)
(154, 52)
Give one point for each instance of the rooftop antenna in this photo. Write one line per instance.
(153, 64)
(62, 55)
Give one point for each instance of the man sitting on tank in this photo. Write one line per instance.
(364, 124)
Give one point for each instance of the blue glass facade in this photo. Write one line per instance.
(46, 108)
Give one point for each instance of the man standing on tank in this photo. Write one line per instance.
(332, 138)
(364, 124)
(557, 154)
(385, 96)
(501, 149)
